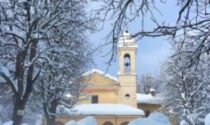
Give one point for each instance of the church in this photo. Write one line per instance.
(114, 100)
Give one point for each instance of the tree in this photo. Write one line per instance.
(29, 28)
(146, 83)
(187, 89)
(59, 84)
(192, 21)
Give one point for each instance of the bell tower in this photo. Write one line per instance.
(127, 48)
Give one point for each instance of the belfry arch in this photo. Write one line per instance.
(127, 63)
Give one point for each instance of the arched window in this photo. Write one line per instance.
(127, 95)
(108, 123)
(127, 63)
(124, 123)
(59, 123)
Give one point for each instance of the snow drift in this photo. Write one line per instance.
(153, 119)
(85, 121)
(207, 119)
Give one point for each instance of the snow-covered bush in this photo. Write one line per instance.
(207, 119)
(71, 123)
(153, 119)
(85, 121)
(8, 123)
(11, 123)
(183, 122)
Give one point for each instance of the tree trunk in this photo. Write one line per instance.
(18, 112)
(51, 115)
(51, 120)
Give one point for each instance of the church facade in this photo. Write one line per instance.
(120, 90)
(114, 100)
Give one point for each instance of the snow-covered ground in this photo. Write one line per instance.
(153, 119)
(10, 123)
(85, 121)
(207, 119)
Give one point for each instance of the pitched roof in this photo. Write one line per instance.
(101, 73)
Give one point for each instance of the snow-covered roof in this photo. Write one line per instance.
(148, 99)
(104, 109)
(101, 73)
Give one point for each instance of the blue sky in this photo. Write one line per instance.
(152, 52)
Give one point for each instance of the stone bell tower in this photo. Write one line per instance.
(127, 48)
